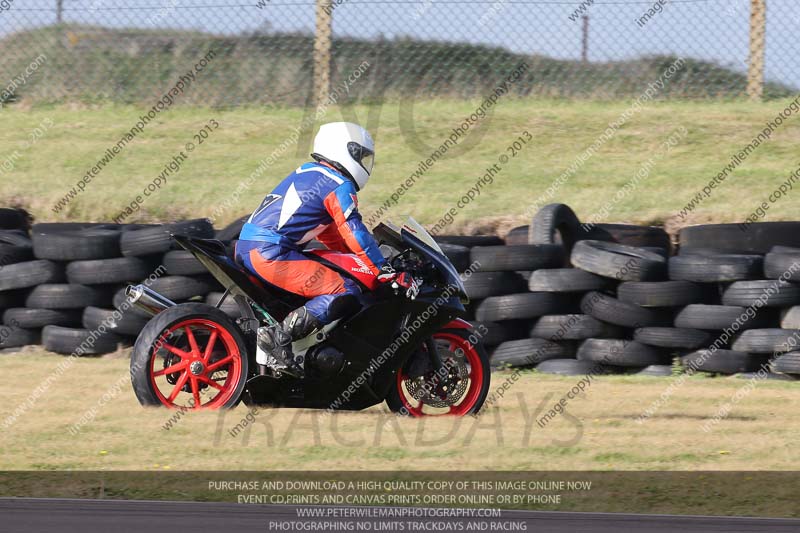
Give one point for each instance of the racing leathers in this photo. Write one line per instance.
(315, 201)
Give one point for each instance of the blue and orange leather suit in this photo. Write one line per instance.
(315, 201)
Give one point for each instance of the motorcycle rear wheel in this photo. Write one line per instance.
(190, 357)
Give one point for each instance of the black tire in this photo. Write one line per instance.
(555, 224)
(715, 268)
(105, 271)
(79, 341)
(153, 331)
(571, 367)
(719, 317)
(77, 245)
(566, 280)
(788, 363)
(630, 235)
(9, 299)
(517, 236)
(519, 306)
(661, 293)
(782, 263)
(711, 251)
(660, 371)
(663, 252)
(613, 311)
(30, 274)
(15, 238)
(24, 317)
(618, 261)
(572, 327)
(11, 254)
(778, 249)
(513, 258)
(15, 247)
(458, 255)
(61, 227)
(12, 218)
(15, 337)
(182, 263)
(67, 296)
(229, 306)
(495, 333)
(469, 240)
(769, 293)
(722, 361)
(157, 240)
(115, 321)
(767, 341)
(790, 318)
(756, 238)
(183, 288)
(480, 285)
(529, 352)
(231, 231)
(689, 339)
(615, 352)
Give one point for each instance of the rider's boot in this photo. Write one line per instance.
(276, 340)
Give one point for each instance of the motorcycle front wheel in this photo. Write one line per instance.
(459, 388)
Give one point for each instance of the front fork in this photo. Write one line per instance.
(436, 359)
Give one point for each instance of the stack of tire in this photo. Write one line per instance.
(564, 318)
(608, 298)
(752, 273)
(62, 284)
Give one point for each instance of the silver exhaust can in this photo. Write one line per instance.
(147, 299)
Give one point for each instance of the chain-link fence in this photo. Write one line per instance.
(290, 52)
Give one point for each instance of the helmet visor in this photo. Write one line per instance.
(367, 161)
(362, 155)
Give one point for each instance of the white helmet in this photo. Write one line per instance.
(348, 147)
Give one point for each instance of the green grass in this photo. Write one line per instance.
(602, 432)
(45, 171)
(126, 452)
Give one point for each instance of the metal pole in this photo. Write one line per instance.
(59, 11)
(322, 51)
(585, 39)
(758, 34)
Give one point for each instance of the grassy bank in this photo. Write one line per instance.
(44, 167)
(600, 432)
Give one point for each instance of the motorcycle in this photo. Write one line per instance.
(405, 345)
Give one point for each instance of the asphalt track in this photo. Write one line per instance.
(122, 516)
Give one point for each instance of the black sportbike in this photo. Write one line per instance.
(404, 345)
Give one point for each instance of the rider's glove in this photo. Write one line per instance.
(398, 281)
(387, 274)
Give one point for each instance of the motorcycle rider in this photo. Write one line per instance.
(318, 200)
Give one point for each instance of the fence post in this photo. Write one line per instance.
(585, 39)
(322, 51)
(59, 11)
(758, 34)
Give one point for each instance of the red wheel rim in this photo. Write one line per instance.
(196, 368)
(475, 375)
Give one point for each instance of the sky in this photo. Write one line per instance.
(715, 30)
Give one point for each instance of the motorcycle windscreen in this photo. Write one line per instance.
(414, 227)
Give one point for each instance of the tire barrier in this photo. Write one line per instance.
(558, 296)
(624, 300)
(62, 284)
